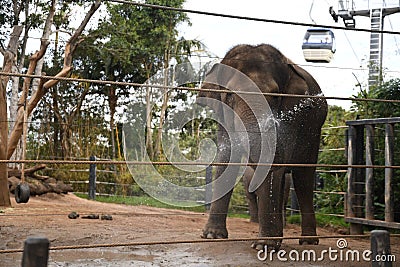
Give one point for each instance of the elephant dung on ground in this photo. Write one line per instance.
(297, 122)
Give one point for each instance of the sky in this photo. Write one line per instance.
(337, 78)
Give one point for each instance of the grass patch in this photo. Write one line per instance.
(142, 200)
(152, 202)
(322, 221)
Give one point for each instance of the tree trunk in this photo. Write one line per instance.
(164, 106)
(57, 148)
(15, 89)
(4, 194)
(9, 60)
(112, 103)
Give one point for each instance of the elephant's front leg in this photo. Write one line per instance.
(216, 225)
(270, 205)
(222, 192)
(222, 189)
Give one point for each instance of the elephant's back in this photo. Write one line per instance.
(262, 63)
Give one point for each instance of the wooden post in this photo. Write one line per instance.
(208, 196)
(92, 179)
(351, 172)
(389, 196)
(4, 192)
(369, 172)
(36, 252)
(380, 245)
(355, 157)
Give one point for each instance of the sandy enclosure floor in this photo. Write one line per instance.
(47, 216)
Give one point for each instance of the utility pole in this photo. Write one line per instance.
(347, 12)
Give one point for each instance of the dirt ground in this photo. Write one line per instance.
(47, 216)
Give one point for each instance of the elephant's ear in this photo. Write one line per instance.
(298, 72)
(212, 81)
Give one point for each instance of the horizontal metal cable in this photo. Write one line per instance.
(196, 89)
(195, 241)
(249, 18)
(118, 162)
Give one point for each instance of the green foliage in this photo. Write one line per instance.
(369, 109)
(6, 18)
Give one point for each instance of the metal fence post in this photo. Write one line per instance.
(380, 245)
(294, 204)
(208, 187)
(92, 179)
(36, 252)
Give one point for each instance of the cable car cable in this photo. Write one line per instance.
(309, 12)
(249, 18)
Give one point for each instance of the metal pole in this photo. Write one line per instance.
(208, 187)
(92, 179)
(294, 204)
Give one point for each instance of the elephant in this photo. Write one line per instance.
(297, 120)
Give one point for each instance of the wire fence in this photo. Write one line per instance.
(338, 168)
(157, 86)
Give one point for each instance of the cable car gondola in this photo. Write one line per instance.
(318, 45)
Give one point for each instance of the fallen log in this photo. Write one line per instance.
(28, 172)
(40, 187)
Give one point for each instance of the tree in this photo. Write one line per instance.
(388, 90)
(9, 144)
(123, 48)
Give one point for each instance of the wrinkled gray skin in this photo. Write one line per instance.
(252, 196)
(298, 135)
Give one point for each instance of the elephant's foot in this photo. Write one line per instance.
(213, 232)
(309, 241)
(312, 239)
(267, 245)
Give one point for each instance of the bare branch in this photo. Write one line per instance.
(2, 48)
(75, 38)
